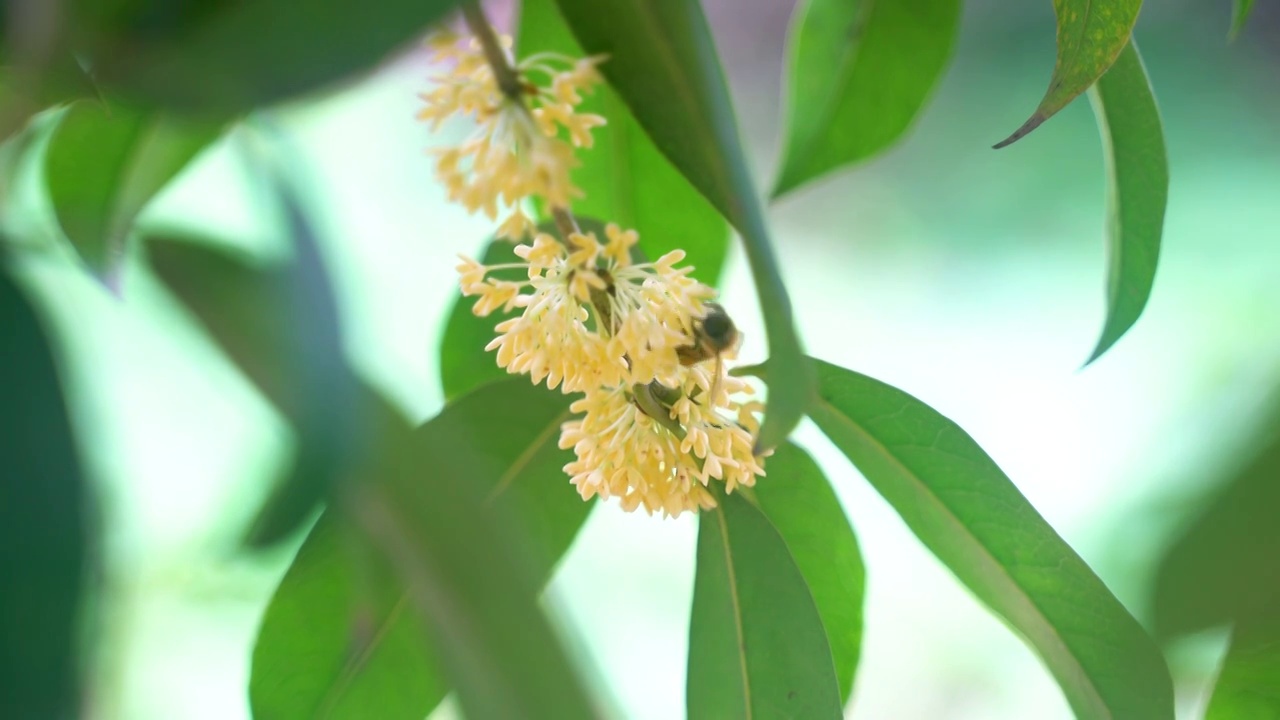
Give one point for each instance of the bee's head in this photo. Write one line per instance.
(718, 327)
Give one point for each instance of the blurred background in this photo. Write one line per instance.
(971, 278)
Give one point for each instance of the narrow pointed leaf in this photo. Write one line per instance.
(44, 529)
(799, 502)
(757, 647)
(1137, 189)
(1225, 566)
(338, 642)
(858, 74)
(280, 326)
(1248, 686)
(960, 504)
(104, 164)
(625, 178)
(225, 58)
(1240, 11)
(663, 64)
(1091, 34)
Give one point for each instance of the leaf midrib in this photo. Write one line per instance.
(739, 633)
(823, 403)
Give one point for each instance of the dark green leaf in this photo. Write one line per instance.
(972, 517)
(757, 647)
(44, 533)
(226, 57)
(281, 327)
(1091, 34)
(663, 65)
(859, 73)
(104, 164)
(1225, 567)
(1239, 16)
(1137, 189)
(626, 179)
(798, 499)
(1248, 686)
(327, 650)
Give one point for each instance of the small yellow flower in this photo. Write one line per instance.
(522, 146)
(663, 464)
(591, 318)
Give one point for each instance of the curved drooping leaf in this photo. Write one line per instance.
(858, 74)
(1248, 685)
(625, 178)
(329, 649)
(663, 64)
(1091, 34)
(960, 504)
(757, 647)
(44, 531)
(104, 164)
(1225, 566)
(467, 561)
(223, 58)
(280, 325)
(1137, 189)
(798, 500)
(1240, 11)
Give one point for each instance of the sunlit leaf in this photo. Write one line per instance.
(1137, 189)
(1225, 566)
(104, 163)
(960, 504)
(1248, 686)
(1091, 34)
(280, 325)
(223, 58)
(858, 75)
(44, 533)
(626, 179)
(1240, 11)
(329, 648)
(799, 502)
(757, 647)
(663, 64)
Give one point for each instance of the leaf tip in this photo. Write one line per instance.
(1032, 123)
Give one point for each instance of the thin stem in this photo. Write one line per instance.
(566, 223)
(506, 76)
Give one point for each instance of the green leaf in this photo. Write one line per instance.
(858, 75)
(626, 179)
(223, 58)
(329, 650)
(1091, 34)
(472, 565)
(1225, 566)
(798, 500)
(1137, 189)
(663, 65)
(464, 364)
(280, 326)
(757, 647)
(972, 517)
(1248, 686)
(1239, 16)
(102, 167)
(44, 532)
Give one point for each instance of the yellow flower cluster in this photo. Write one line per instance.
(660, 417)
(523, 143)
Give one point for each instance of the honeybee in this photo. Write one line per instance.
(713, 334)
